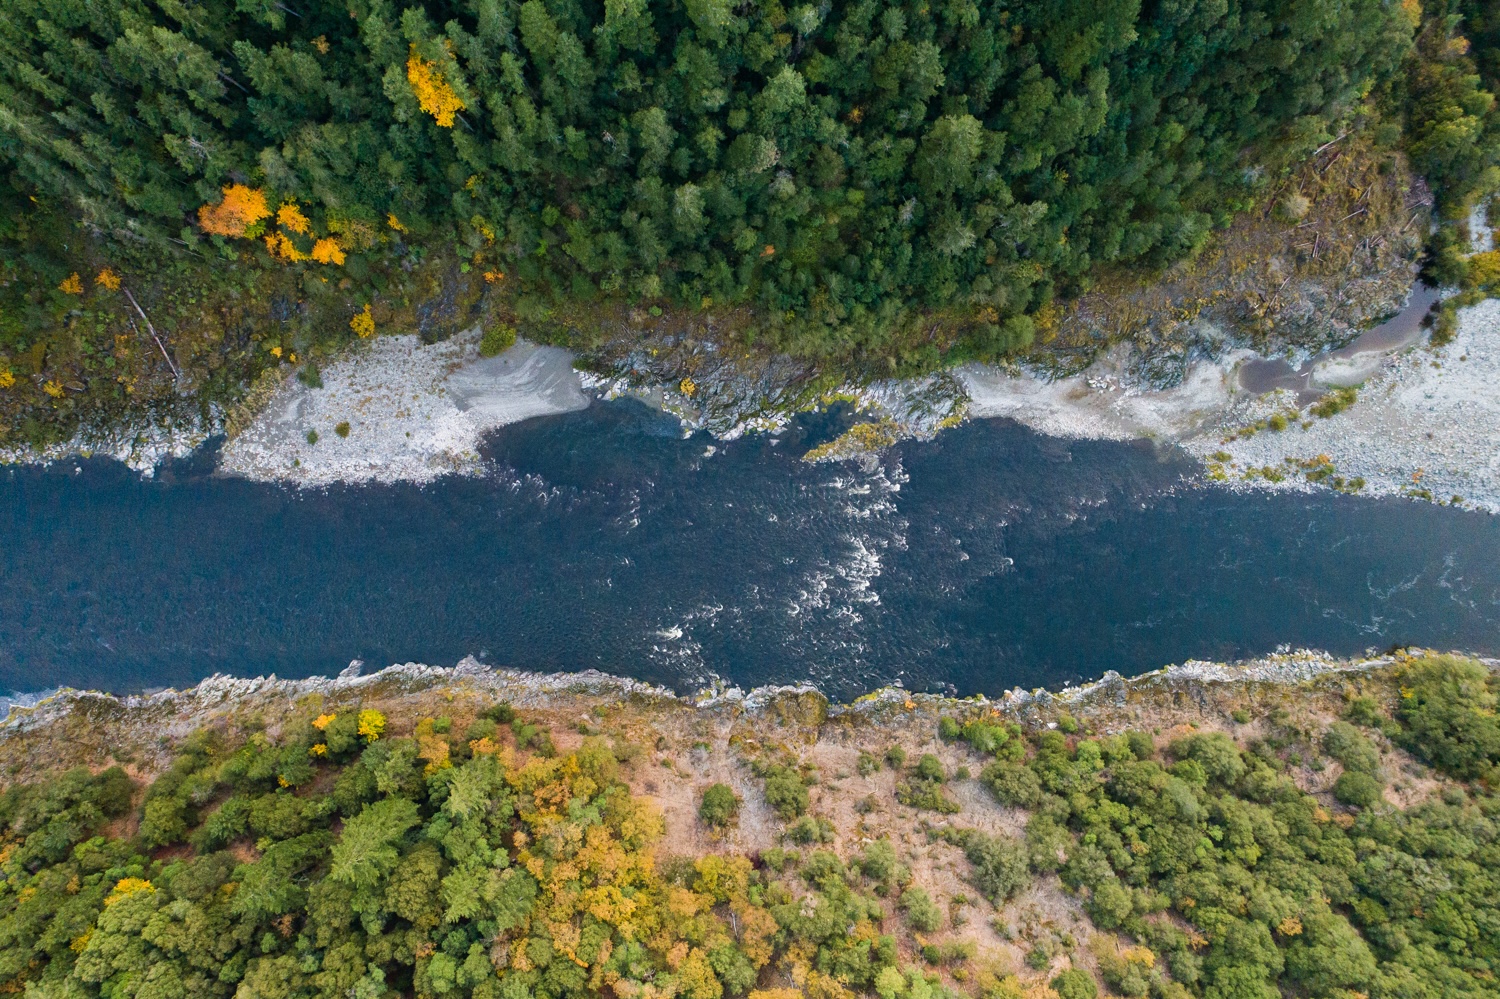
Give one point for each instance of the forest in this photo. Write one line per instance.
(341, 858)
(197, 192)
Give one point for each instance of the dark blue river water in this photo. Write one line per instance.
(989, 558)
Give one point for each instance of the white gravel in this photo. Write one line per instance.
(415, 412)
(1425, 420)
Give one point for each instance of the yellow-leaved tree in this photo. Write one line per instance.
(434, 95)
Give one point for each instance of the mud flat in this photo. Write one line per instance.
(399, 410)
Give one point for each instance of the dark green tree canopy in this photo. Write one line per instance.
(842, 167)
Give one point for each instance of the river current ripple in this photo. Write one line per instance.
(989, 558)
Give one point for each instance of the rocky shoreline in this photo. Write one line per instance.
(85, 726)
(1416, 422)
(1421, 426)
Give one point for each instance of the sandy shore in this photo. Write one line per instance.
(413, 412)
(1104, 403)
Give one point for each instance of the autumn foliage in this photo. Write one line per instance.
(290, 217)
(327, 251)
(433, 93)
(363, 324)
(241, 208)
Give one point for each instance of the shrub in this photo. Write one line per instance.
(481, 728)
(929, 767)
(1357, 789)
(342, 429)
(983, 737)
(501, 713)
(810, 829)
(779, 860)
(786, 793)
(720, 806)
(312, 437)
(867, 764)
(497, 339)
(879, 863)
(1334, 402)
(1075, 984)
(1000, 865)
(1364, 711)
(1349, 746)
(924, 791)
(895, 757)
(922, 913)
(948, 952)
(529, 735)
(1012, 784)
(1142, 746)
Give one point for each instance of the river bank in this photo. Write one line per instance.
(1420, 426)
(1419, 422)
(400, 410)
(1408, 420)
(69, 726)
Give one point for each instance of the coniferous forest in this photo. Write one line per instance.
(888, 186)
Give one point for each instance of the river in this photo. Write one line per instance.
(988, 558)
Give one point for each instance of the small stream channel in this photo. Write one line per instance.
(1402, 330)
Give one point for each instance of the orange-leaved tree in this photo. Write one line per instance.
(241, 208)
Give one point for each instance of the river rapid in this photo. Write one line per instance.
(989, 558)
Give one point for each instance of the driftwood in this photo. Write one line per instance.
(152, 329)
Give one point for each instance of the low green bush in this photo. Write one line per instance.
(497, 339)
(786, 792)
(720, 806)
(1076, 984)
(1358, 789)
(922, 913)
